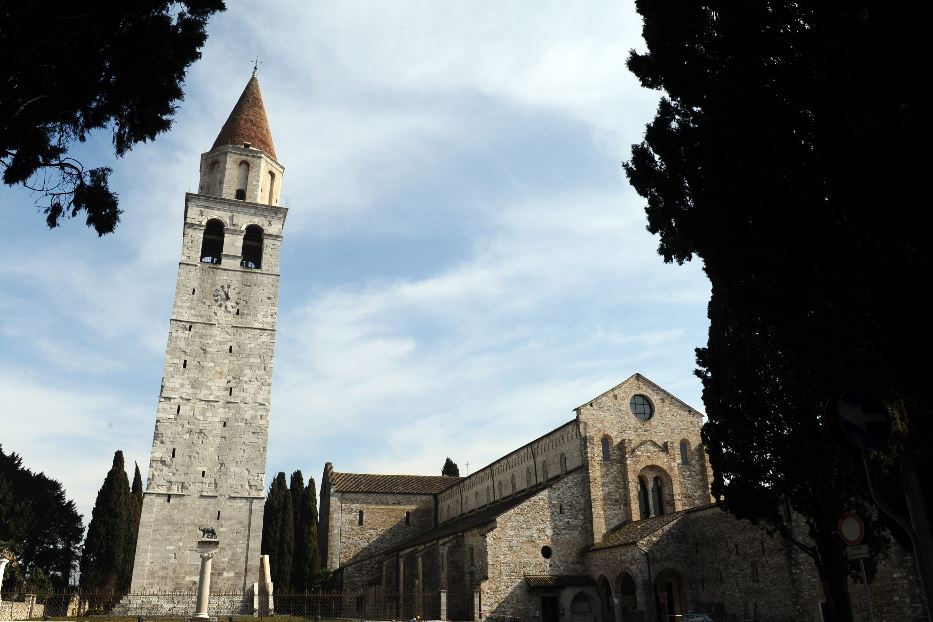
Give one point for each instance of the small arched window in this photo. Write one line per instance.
(359, 518)
(252, 248)
(684, 453)
(563, 464)
(408, 518)
(242, 179)
(271, 188)
(212, 181)
(212, 245)
(607, 448)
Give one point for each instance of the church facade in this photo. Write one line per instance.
(205, 487)
(606, 518)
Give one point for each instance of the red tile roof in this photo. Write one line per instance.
(247, 122)
(399, 484)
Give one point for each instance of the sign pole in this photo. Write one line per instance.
(871, 617)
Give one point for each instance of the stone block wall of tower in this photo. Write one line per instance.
(207, 467)
(221, 176)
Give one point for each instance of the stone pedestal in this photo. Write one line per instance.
(204, 589)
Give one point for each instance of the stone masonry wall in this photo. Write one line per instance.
(736, 571)
(555, 517)
(219, 174)
(638, 445)
(207, 467)
(383, 523)
(536, 462)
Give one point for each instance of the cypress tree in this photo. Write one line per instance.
(136, 505)
(106, 557)
(299, 576)
(309, 504)
(450, 468)
(278, 532)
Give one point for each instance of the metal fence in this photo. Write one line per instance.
(227, 606)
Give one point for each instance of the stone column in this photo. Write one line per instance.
(204, 587)
(3, 562)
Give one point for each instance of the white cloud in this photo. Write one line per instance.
(484, 136)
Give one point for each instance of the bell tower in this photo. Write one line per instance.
(208, 461)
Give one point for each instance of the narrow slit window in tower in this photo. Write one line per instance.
(359, 518)
(408, 518)
(184, 364)
(218, 514)
(173, 452)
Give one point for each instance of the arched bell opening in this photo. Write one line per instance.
(212, 244)
(252, 248)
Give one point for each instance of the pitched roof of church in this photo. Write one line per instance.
(633, 531)
(399, 484)
(247, 122)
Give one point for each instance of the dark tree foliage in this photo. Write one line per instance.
(107, 559)
(136, 494)
(450, 468)
(789, 155)
(71, 69)
(299, 576)
(39, 523)
(310, 518)
(278, 539)
(306, 562)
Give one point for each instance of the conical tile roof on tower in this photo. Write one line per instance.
(247, 122)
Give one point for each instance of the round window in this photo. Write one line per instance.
(641, 407)
(546, 552)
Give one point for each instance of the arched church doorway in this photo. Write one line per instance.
(626, 594)
(606, 608)
(669, 595)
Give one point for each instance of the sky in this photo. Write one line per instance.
(463, 262)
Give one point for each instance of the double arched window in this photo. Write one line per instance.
(212, 245)
(650, 497)
(252, 248)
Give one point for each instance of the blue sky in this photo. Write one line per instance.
(463, 262)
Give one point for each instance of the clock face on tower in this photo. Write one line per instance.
(226, 298)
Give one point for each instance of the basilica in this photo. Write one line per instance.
(606, 518)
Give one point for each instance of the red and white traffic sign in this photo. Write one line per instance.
(851, 528)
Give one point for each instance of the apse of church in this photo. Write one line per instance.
(207, 466)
